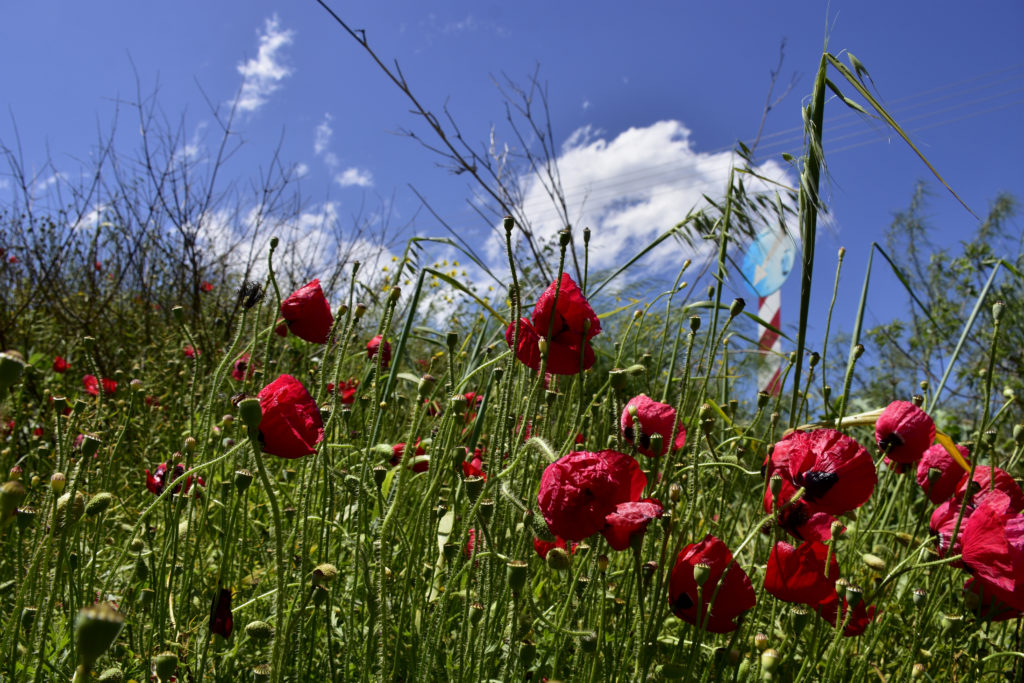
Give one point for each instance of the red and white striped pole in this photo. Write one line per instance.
(769, 343)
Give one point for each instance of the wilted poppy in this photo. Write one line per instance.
(836, 473)
(653, 418)
(580, 489)
(572, 323)
(291, 425)
(241, 369)
(628, 520)
(164, 474)
(60, 364)
(92, 385)
(938, 474)
(729, 597)
(221, 621)
(903, 432)
(798, 574)
(308, 313)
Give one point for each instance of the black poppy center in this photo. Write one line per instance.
(645, 440)
(817, 484)
(628, 433)
(682, 603)
(890, 442)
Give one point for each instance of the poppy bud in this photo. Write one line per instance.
(165, 664)
(813, 360)
(260, 631)
(858, 351)
(770, 660)
(558, 559)
(96, 627)
(515, 573)
(542, 346)
(14, 472)
(997, 312)
(274, 241)
(737, 306)
(874, 562)
(426, 385)
(395, 294)
(711, 292)
(112, 675)
(775, 484)
(918, 670)
(694, 323)
(69, 511)
(99, 504)
(761, 642)
(11, 366)
(12, 494)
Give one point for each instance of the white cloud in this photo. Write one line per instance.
(358, 177)
(263, 75)
(331, 160)
(301, 170)
(322, 135)
(631, 188)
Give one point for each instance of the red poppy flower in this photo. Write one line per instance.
(654, 418)
(630, 519)
(206, 286)
(938, 474)
(728, 601)
(291, 425)
(542, 547)
(308, 314)
(60, 364)
(903, 433)
(38, 431)
(575, 324)
(580, 489)
(859, 620)
(474, 468)
(984, 486)
(798, 574)
(92, 385)
(993, 551)
(192, 352)
(12, 259)
(281, 330)
(346, 390)
(398, 451)
(221, 621)
(836, 473)
(241, 369)
(983, 604)
(156, 481)
(374, 345)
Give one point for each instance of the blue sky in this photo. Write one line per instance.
(645, 103)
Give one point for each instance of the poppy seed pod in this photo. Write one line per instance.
(96, 628)
(112, 675)
(69, 511)
(164, 665)
(558, 559)
(736, 307)
(12, 494)
(90, 444)
(515, 572)
(250, 412)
